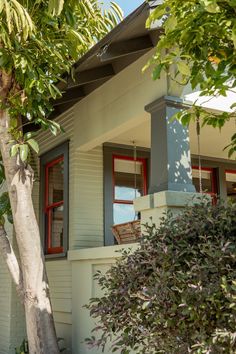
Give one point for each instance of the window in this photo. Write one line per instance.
(231, 184)
(129, 182)
(208, 181)
(54, 200)
(124, 180)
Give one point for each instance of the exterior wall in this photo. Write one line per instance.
(85, 263)
(85, 217)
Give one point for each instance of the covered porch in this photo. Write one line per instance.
(159, 164)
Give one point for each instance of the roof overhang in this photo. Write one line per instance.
(119, 48)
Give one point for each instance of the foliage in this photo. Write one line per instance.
(24, 347)
(177, 292)
(5, 207)
(39, 42)
(199, 39)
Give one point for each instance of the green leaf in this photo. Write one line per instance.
(211, 6)
(156, 14)
(14, 150)
(34, 145)
(233, 105)
(13, 122)
(55, 7)
(233, 35)
(183, 68)
(170, 23)
(157, 72)
(24, 152)
(30, 135)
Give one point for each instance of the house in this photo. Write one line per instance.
(119, 144)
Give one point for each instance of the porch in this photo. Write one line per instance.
(155, 164)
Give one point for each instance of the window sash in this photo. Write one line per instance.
(143, 175)
(212, 172)
(47, 160)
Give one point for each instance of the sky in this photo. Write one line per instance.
(127, 5)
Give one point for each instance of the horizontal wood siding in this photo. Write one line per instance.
(85, 215)
(59, 271)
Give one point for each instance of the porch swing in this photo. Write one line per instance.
(129, 232)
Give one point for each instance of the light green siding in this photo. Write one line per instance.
(85, 215)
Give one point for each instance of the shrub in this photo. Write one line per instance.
(177, 292)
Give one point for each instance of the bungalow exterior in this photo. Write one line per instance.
(119, 144)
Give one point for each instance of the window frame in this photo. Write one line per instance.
(144, 175)
(228, 171)
(110, 150)
(215, 191)
(47, 160)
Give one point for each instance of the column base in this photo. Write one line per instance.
(153, 206)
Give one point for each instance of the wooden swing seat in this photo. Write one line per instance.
(128, 232)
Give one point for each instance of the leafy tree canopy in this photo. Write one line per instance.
(39, 41)
(199, 39)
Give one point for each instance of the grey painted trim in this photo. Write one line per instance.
(162, 102)
(128, 147)
(216, 159)
(108, 152)
(62, 149)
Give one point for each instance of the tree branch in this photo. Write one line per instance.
(9, 256)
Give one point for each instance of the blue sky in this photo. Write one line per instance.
(127, 5)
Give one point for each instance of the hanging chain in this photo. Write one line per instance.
(135, 170)
(135, 176)
(198, 128)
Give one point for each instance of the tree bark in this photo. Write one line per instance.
(39, 319)
(9, 256)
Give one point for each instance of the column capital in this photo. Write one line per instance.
(166, 101)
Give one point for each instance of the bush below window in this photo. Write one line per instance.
(177, 293)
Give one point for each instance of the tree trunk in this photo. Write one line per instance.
(39, 319)
(9, 256)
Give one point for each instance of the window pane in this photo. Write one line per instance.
(56, 227)
(55, 183)
(123, 213)
(128, 179)
(231, 185)
(207, 181)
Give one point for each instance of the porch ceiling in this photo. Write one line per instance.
(212, 143)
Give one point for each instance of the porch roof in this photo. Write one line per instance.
(118, 49)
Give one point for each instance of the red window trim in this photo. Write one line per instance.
(231, 171)
(213, 194)
(48, 208)
(128, 158)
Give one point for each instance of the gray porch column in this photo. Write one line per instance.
(170, 150)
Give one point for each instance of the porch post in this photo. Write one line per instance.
(170, 150)
(171, 186)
